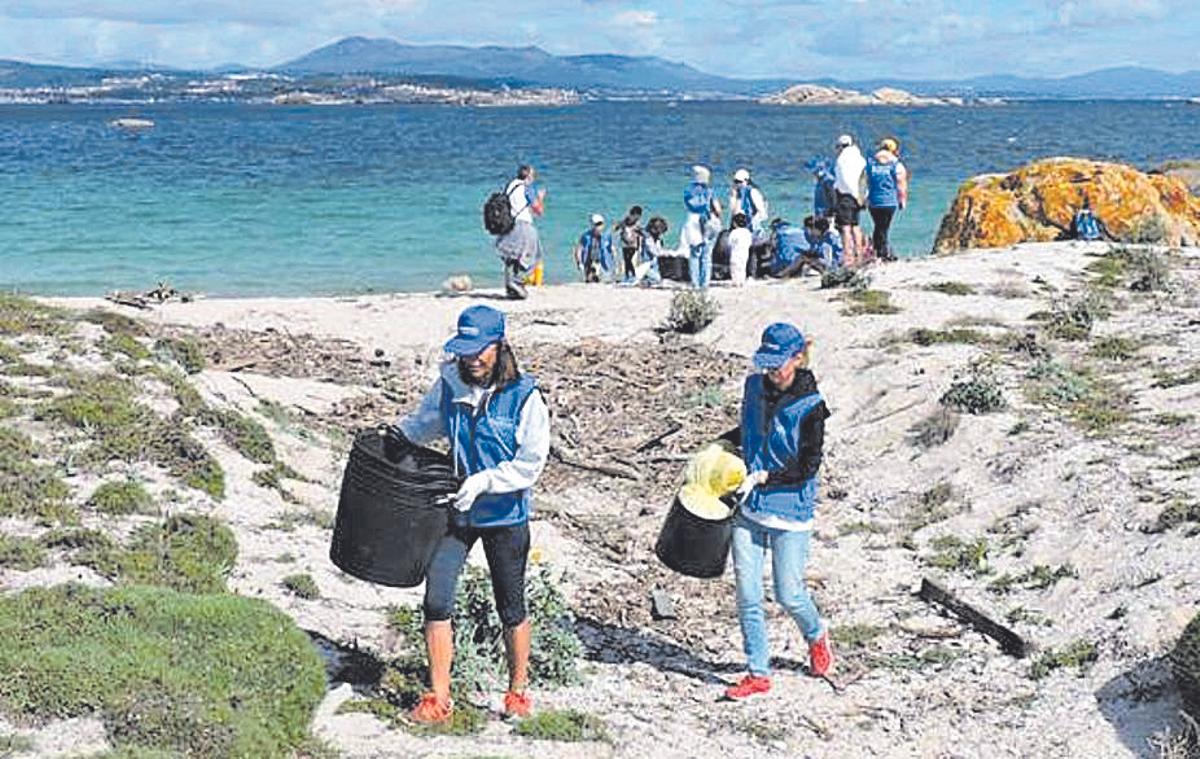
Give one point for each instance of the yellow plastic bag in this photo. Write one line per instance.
(713, 472)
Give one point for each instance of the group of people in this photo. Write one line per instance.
(498, 427)
(751, 244)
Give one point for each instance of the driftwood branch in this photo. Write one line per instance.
(612, 470)
(657, 439)
(1010, 642)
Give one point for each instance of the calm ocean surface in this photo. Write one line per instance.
(265, 200)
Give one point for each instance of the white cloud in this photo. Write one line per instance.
(637, 19)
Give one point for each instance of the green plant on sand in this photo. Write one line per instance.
(691, 311)
(122, 497)
(567, 725)
(196, 675)
(977, 391)
(186, 552)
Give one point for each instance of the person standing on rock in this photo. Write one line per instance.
(781, 437)
(521, 248)
(848, 198)
(887, 194)
(499, 432)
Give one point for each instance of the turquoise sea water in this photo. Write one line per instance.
(263, 200)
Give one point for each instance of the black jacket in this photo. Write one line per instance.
(812, 430)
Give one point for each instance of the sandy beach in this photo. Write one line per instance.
(1046, 513)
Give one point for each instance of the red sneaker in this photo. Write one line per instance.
(432, 710)
(517, 704)
(748, 686)
(820, 656)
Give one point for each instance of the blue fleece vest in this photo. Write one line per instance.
(599, 250)
(1086, 227)
(790, 244)
(482, 439)
(745, 197)
(882, 184)
(769, 444)
(698, 197)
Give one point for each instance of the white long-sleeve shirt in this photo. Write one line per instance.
(427, 424)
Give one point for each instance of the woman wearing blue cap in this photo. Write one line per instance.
(781, 436)
(499, 432)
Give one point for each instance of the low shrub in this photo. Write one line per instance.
(925, 337)
(302, 585)
(951, 288)
(692, 311)
(202, 676)
(28, 487)
(569, 726)
(1073, 318)
(242, 433)
(190, 553)
(21, 553)
(1079, 655)
(977, 391)
(935, 429)
(1039, 577)
(951, 553)
(20, 315)
(1115, 348)
(122, 497)
(877, 302)
(184, 351)
(1150, 228)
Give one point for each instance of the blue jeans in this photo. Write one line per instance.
(700, 265)
(789, 555)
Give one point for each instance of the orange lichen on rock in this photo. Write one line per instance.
(1037, 202)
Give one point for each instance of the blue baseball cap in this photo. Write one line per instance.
(478, 327)
(780, 342)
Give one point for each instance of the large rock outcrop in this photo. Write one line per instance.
(817, 94)
(1037, 202)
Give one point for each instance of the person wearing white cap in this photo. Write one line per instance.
(594, 252)
(702, 225)
(848, 173)
(747, 198)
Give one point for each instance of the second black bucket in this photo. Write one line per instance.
(387, 522)
(692, 545)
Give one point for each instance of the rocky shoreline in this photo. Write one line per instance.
(816, 94)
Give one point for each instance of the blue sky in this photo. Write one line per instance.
(845, 39)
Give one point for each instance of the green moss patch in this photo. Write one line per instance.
(302, 585)
(205, 676)
(27, 487)
(122, 497)
(184, 351)
(21, 553)
(562, 725)
(1039, 577)
(23, 316)
(242, 433)
(188, 552)
(1115, 348)
(125, 345)
(1079, 655)
(953, 554)
(922, 336)
(868, 301)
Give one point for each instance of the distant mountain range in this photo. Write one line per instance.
(493, 66)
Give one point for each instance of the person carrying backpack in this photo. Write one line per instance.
(824, 196)
(517, 241)
(781, 438)
(702, 225)
(887, 193)
(1085, 225)
(632, 238)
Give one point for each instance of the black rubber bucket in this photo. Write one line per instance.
(694, 546)
(387, 522)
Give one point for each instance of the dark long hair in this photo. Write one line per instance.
(504, 373)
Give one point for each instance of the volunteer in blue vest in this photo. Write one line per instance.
(499, 432)
(887, 193)
(746, 198)
(1085, 225)
(781, 438)
(594, 253)
(702, 225)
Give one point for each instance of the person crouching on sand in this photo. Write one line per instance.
(781, 437)
(499, 432)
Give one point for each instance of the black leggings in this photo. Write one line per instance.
(506, 549)
(630, 254)
(879, 235)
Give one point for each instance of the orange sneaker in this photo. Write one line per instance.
(517, 704)
(749, 686)
(432, 710)
(820, 656)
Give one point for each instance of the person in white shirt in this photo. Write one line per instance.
(521, 248)
(740, 240)
(746, 198)
(498, 427)
(849, 170)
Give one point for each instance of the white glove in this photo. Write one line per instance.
(472, 487)
(753, 480)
